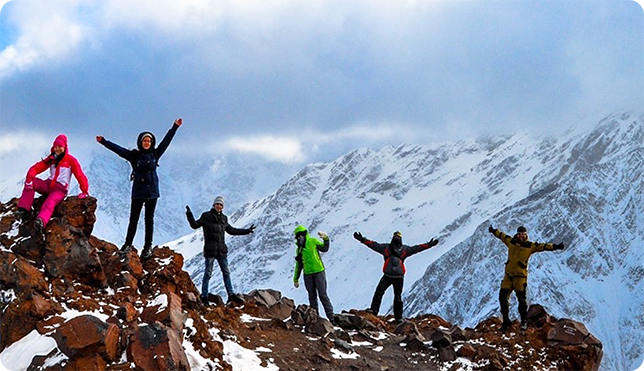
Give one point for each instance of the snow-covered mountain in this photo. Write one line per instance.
(582, 187)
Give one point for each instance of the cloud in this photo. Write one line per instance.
(281, 149)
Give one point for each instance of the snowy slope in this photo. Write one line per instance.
(451, 191)
(598, 279)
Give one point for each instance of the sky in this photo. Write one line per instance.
(296, 81)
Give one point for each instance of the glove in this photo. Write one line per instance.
(251, 228)
(99, 138)
(558, 246)
(188, 209)
(296, 284)
(358, 236)
(178, 121)
(82, 195)
(29, 185)
(491, 229)
(323, 235)
(432, 242)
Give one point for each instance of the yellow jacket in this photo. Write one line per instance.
(519, 253)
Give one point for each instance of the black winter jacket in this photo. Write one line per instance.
(215, 226)
(145, 185)
(395, 256)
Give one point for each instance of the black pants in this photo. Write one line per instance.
(135, 212)
(504, 295)
(383, 285)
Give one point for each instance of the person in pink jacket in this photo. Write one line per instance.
(61, 166)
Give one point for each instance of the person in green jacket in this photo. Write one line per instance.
(516, 271)
(307, 259)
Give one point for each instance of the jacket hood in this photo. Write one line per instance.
(139, 141)
(300, 228)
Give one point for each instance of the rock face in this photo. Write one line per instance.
(107, 310)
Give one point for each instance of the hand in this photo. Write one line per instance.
(432, 242)
(82, 195)
(296, 284)
(178, 121)
(358, 236)
(558, 246)
(188, 209)
(29, 185)
(323, 235)
(99, 138)
(252, 228)
(491, 229)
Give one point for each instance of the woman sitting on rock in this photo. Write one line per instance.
(61, 166)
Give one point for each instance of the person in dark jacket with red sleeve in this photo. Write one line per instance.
(215, 226)
(394, 254)
(145, 181)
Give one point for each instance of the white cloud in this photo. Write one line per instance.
(273, 148)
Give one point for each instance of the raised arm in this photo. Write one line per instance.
(168, 138)
(122, 152)
(324, 245)
(191, 219)
(377, 247)
(500, 235)
(421, 247)
(539, 246)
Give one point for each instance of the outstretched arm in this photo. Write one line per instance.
(538, 246)
(168, 138)
(377, 247)
(421, 247)
(500, 235)
(122, 152)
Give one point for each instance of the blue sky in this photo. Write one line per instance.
(302, 81)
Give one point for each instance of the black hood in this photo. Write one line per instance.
(396, 243)
(139, 141)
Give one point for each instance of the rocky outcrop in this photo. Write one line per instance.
(108, 310)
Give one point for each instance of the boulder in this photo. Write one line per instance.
(567, 332)
(168, 311)
(85, 335)
(441, 339)
(157, 347)
(20, 275)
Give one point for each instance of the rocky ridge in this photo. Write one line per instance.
(89, 307)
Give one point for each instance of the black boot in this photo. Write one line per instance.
(506, 325)
(39, 225)
(126, 248)
(146, 253)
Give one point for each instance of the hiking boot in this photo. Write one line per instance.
(399, 321)
(204, 300)
(524, 325)
(39, 225)
(126, 248)
(334, 320)
(24, 214)
(505, 326)
(235, 298)
(146, 253)
(371, 311)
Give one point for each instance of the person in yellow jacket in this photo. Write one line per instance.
(516, 270)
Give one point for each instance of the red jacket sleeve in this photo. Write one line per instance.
(36, 169)
(80, 176)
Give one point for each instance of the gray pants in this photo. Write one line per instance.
(316, 286)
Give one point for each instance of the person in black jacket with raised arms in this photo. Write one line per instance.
(215, 226)
(393, 270)
(145, 181)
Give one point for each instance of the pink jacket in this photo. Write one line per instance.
(61, 173)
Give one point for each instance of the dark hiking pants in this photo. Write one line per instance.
(504, 295)
(383, 285)
(316, 286)
(135, 212)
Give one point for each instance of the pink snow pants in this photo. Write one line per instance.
(55, 193)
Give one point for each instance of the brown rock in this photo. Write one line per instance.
(68, 253)
(17, 273)
(79, 213)
(92, 362)
(567, 332)
(415, 343)
(157, 347)
(170, 315)
(126, 312)
(87, 334)
(467, 351)
(21, 317)
(406, 328)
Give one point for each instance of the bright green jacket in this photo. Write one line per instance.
(307, 258)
